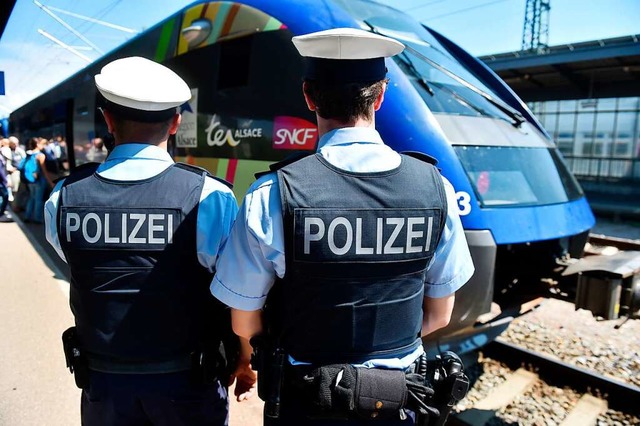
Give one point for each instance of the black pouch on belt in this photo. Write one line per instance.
(380, 393)
(343, 391)
(331, 390)
(75, 358)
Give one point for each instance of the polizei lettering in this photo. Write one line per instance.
(365, 235)
(148, 229)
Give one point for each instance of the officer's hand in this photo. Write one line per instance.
(245, 380)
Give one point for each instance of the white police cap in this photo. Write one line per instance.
(137, 84)
(344, 55)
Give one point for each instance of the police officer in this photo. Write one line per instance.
(358, 249)
(141, 235)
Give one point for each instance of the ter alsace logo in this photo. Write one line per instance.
(294, 133)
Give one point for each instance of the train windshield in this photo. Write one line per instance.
(517, 176)
(444, 84)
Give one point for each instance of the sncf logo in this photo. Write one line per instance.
(294, 133)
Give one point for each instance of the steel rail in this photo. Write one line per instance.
(620, 396)
(619, 243)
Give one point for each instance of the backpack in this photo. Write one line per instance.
(29, 168)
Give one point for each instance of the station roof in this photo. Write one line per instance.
(594, 69)
(6, 6)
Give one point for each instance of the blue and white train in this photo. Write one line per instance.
(522, 210)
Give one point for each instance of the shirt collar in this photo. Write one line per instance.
(139, 151)
(349, 135)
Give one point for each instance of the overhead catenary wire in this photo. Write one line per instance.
(33, 73)
(420, 6)
(65, 46)
(67, 26)
(95, 21)
(464, 10)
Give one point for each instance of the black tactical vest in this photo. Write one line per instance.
(138, 292)
(357, 247)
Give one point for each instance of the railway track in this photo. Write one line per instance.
(599, 240)
(532, 387)
(537, 376)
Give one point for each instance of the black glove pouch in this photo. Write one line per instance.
(332, 391)
(342, 391)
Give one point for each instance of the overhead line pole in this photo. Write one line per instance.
(67, 26)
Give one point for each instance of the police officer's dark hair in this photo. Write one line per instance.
(344, 102)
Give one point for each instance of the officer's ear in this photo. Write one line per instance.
(378, 102)
(108, 118)
(310, 104)
(175, 123)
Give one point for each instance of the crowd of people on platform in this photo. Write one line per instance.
(28, 173)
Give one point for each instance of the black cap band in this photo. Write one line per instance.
(337, 71)
(132, 114)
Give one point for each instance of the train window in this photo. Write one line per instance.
(235, 56)
(248, 91)
(512, 176)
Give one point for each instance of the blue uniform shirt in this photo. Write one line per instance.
(134, 161)
(254, 253)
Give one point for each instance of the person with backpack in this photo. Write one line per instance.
(37, 178)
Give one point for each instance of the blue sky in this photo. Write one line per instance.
(32, 63)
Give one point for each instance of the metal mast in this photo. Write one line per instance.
(535, 34)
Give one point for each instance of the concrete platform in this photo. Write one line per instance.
(35, 386)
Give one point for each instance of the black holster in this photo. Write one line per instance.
(75, 358)
(450, 384)
(269, 361)
(207, 366)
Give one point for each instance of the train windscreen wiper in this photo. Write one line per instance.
(465, 101)
(408, 63)
(517, 118)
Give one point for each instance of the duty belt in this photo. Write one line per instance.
(341, 391)
(172, 365)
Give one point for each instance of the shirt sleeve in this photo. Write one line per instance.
(254, 253)
(50, 222)
(217, 211)
(451, 266)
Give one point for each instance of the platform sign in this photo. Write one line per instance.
(1, 82)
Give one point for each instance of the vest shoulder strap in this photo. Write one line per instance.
(421, 156)
(283, 163)
(80, 172)
(200, 171)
